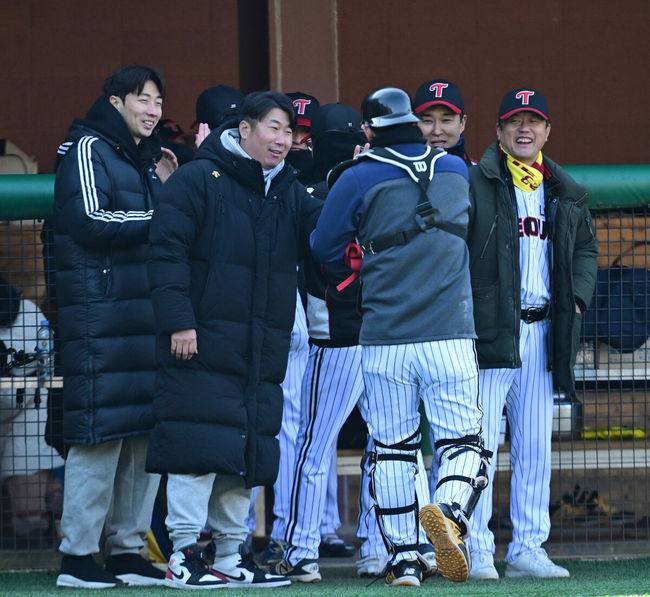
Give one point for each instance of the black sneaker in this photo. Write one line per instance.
(303, 571)
(273, 553)
(188, 570)
(405, 572)
(241, 571)
(134, 570)
(332, 546)
(83, 572)
(446, 533)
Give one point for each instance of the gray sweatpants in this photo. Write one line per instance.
(106, 487)
(221, 500)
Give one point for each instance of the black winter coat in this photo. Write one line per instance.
(102, 210)
(223, 262)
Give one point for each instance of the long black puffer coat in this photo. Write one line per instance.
(103, 204)
(223, 262)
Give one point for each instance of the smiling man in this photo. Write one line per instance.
(533, 268)
(226, 238)
(439, 104)
(106, 181)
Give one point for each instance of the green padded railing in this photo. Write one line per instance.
(617, 186)
(26, 196)
(614, 187)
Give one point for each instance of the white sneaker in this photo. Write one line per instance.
(483, 566)
(241, 571)
(188, 570)
(372, 566)
(535, 563)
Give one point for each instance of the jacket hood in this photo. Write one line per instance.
(104, 121)
(247, 171)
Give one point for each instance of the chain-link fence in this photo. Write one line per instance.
(600, 483)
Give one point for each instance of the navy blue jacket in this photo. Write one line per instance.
(102, 210)
(416, 292)
(223, 262)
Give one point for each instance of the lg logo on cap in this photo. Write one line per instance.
(438, 88)
(524, 96)
(300, 105)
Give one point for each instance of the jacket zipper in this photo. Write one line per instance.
(490, 233)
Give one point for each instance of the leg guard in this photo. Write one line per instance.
(404, 451)
(465, 501)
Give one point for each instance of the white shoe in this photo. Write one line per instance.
(535, 563)
(372, 566)
(241, 571)
(483, 566)
(188, 570)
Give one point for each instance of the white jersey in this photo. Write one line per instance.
(533, 248)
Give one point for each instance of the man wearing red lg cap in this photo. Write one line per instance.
(300, 157)
(533, 269)
(439, 104)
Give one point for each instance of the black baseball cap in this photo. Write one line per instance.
(305, 106)
(523, 99)
(439, 92)
(335, 117)
(216, 104)
(169, 130)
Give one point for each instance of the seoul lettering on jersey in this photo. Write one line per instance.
(531, 226)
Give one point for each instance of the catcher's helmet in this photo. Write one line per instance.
(387, 106)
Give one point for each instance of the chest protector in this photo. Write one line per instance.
(421, 171)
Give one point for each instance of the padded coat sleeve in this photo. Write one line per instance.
(585, 263)
(88, 202)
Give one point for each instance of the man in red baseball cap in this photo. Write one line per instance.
(301, 157)
(439, 104)
(532, 254)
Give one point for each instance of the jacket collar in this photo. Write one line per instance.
(245, 170)
(556, 180)
(104, 121)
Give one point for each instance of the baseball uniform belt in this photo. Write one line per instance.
(534, 314)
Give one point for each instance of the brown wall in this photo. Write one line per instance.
(589, 57)
(303, 42)
(57, 53)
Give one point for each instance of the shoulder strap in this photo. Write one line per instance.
(421, 170)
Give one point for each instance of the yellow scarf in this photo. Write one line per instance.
(525, 177)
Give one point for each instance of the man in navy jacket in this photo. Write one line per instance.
(104, 197)
(225, 239)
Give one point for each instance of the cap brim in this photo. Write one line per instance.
(303, 122)
(509, 114)
(426, 105)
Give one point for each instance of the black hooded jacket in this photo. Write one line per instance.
(223, 262)
(104, 197)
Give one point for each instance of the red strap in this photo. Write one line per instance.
(353, 256)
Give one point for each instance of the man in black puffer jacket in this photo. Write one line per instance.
(225, 239)
(104, 196)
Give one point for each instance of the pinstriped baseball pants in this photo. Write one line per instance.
(527, 394)
(332, 386)
(443, 374)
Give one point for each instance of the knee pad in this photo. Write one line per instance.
(466, 500)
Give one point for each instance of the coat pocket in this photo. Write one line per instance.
(486, 306)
